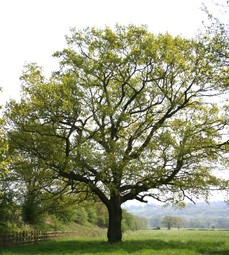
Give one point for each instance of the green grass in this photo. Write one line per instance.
(160, 242)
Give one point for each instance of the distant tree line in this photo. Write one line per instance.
(200, 215)
(189, 222)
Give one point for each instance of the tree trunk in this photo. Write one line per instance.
(114, 233)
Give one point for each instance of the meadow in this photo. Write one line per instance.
(150, 242)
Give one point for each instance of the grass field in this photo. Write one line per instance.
(160, 242)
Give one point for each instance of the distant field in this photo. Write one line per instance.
(151, 242)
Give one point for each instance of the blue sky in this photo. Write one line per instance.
(31, 30)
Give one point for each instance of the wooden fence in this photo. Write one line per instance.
(26, 237)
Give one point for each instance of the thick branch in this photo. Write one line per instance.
(91, 185)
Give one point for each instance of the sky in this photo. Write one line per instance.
(32, 30)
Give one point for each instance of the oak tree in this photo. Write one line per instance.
(128, 115)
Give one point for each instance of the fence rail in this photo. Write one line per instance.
(29, 237)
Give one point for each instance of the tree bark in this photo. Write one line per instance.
(114, 233)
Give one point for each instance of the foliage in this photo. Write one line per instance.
(132, 222)
(55, 213)
(10, 213)
(172, 221)
(217, 30)
(4, 160)
(126, 116)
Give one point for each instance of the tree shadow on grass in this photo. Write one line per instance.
(77, 247)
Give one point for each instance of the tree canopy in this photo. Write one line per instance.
(172, 221)
(3, 151)
(128, 115)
